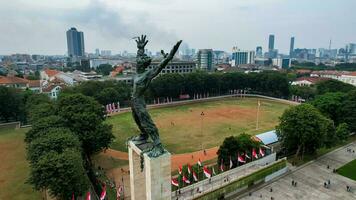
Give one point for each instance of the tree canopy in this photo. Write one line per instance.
(104, 69)
(333, 86)
(303, 129)
(231, 146)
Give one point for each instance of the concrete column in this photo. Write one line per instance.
(154, 183)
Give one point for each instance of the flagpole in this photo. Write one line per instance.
(258, 110)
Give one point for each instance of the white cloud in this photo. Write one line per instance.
(38, 26)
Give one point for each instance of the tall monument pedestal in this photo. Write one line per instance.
(154, 182)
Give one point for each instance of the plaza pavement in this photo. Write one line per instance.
(310, 180)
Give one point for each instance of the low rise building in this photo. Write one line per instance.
(308, 81)
(181, 67)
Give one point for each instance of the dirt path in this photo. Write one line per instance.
(177, 159)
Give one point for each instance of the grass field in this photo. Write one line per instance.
(14, 168)
(348, 170)
(183, 129)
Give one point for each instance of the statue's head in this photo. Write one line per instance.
(142, 62)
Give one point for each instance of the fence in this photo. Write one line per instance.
(217, 180)
(246, 181)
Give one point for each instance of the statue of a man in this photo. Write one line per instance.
(141, 82)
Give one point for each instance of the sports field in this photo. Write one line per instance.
(184, 129)
(14, 168)
(348, 170)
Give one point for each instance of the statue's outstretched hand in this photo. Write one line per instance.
(141, 42)
(173, 51)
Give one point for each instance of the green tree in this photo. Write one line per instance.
(333, 86)
(342, 131)
(104, 69)
(330, 104)
(56, 140)
(243, 143)
(10, 104)
(107, 95)
(347, 112)
(306, 92)
(41, 126)
(63, 174)
(84, 116)
(302, 129)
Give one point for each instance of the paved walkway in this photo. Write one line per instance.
(310, 180)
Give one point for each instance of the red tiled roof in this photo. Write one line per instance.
(51, 72)
(12, 80)
(34, 83)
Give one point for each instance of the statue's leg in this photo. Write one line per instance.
(143, 134)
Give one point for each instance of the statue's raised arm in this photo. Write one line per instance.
(166, 58)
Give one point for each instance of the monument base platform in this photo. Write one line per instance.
(154, 182)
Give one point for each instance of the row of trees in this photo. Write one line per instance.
(65, 135)
(173, 85)
(310, 92)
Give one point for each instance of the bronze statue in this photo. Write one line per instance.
(141, 82)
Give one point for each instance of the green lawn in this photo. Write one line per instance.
(348, 170)
(14, 169)
(183, 129)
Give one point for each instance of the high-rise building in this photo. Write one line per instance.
(271, 42)
(97, 52)
(291, 48)
(240, 57)
(259, 52)
(205, 59)
(75, 43)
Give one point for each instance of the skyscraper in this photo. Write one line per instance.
(205, 59)
(75, 43)
(271, 42)
(291, 49)
(259, 51)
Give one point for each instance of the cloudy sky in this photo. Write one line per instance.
(39, 26)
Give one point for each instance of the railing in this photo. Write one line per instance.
(208, 185)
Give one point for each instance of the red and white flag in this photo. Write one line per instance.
(175, 182)
(110, 108)
(240, 159)
(207, 172)
(189, 169)
(222, 165)
(186, 180)
(262, 153)
(180, 170)
(103, 193)
(118, 192)
(231, 164)
(88, 197)
(199, 162)
(73, 198)
(113, 107)
(195, 176)
(107, 108)
(254, 154)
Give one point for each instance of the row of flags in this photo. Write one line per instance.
(297, 98)
(112, 108)
(237, 91)
(119, 192)
(201, 96)
(164, 100)
(209, 173)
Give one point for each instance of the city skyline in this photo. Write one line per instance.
(39, 27)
